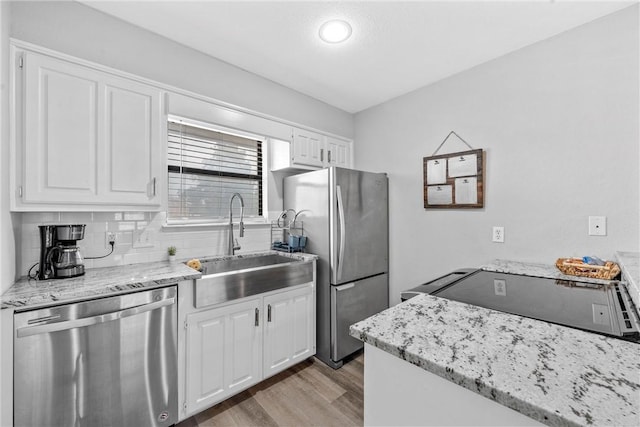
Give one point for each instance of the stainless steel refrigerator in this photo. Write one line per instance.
(345, 217)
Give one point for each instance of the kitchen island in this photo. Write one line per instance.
(526, 371)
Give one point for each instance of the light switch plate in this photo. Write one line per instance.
(597, 226)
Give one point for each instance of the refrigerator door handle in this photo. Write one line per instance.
(342, 231)
(345, 287)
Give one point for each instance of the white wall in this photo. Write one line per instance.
(81, 31)
(559, 123)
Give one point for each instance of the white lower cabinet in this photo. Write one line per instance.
(235, 345)
(289, 335)
(224, 353)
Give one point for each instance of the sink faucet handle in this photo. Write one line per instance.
(236, 245)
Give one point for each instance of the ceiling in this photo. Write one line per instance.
(396, 47)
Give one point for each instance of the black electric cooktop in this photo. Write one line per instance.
(600, 308)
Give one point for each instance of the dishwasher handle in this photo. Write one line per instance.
(88, 321)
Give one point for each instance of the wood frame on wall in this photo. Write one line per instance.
(449, 182)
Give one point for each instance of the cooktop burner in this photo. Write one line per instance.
(600, 308)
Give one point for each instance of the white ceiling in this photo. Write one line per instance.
(396, 47)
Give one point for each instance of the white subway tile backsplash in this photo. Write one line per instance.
(123, 226)
(40, 218)
(76, 217)
(135, 216)
(103, 216)
(143, 228)
(135, 258)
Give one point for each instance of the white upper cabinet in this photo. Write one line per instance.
(60, 146)
(310, 150)
(131, 160)
(86, 138)
(307, 148)
(338, 152)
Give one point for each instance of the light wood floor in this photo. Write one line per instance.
(308, 394)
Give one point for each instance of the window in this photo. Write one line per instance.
(206, 167)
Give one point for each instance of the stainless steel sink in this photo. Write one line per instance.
(243, 263)
(229, 279)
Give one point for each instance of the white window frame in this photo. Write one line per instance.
(263, 219)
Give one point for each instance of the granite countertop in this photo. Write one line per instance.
(98, 282)
(557, 375)
(629, 263)
(536, 270)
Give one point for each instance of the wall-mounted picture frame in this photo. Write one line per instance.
(454, 180)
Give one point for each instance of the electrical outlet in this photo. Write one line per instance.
(601, 314)
(500, 287)
(110, 237)
(498, 234)
(597, 226)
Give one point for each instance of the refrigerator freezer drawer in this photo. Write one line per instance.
(351, 303)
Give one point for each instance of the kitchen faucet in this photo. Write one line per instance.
(233, 243)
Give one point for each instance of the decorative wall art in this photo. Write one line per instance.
(454, 180)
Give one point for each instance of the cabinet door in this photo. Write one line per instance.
(131, 154)
(307, 148)
(243, 362)
(338, 152)
(223, 353)
(90, 138)
(289, 328)
(60, 131)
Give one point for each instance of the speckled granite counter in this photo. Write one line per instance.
(98, 282)
(557, 375)
(629, 263)
(536, 270)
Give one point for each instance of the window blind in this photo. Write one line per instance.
(205, 168)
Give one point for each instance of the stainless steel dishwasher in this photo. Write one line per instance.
(105, 362)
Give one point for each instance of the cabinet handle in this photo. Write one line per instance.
(269, 313)
(257, 317)
(154, 186)
(322, 154)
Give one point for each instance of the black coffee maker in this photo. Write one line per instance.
(59, 255)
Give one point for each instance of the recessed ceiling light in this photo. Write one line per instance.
(335, 31)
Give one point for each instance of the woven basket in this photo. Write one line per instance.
(576, 267)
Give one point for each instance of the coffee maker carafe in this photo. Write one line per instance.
(59, 255)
